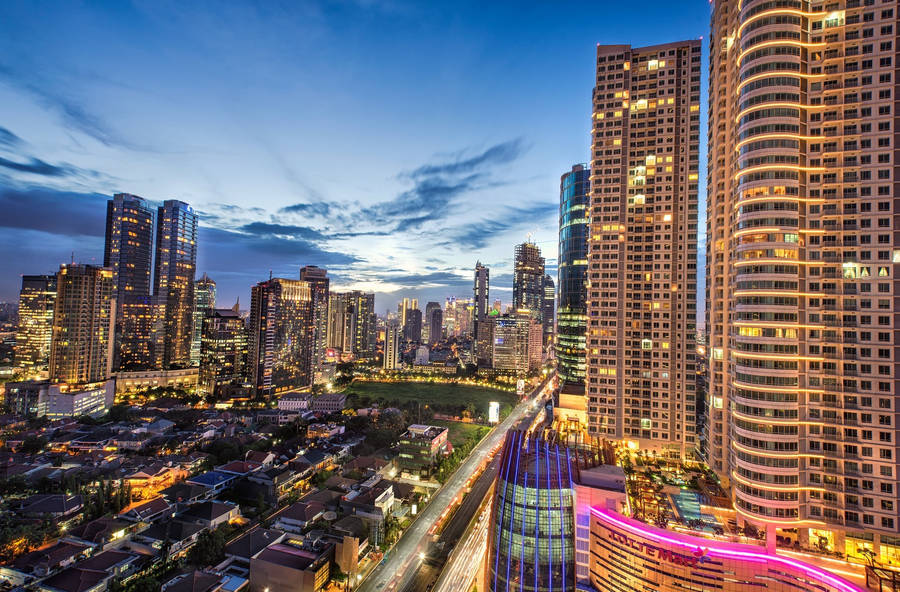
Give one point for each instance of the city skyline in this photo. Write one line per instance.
(276, 197)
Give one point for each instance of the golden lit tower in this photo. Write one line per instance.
(801, 253)
(641, 301)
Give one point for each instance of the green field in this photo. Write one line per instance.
(460, 432)
(436, 395)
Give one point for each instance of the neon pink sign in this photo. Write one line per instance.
(711, 548)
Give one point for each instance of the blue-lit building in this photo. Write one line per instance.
(571, 312)
(531, 544)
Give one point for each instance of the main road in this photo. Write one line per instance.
(413, 544)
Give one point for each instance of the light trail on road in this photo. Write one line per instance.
(401, 561)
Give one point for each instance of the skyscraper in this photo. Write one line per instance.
(548, 308)
(141, 334)
(352, 323)
(528, 279)
(483, 329)
(128, 252)
(405, 305)
(317, 278)
(802, 247)
(83, 325)
(517, 341)
(204, 305)
(281, 334)
(173, 281)
(412, 330)
(37, 300)
(643, 246)
(436, 325)
(426, 321)
(391, 347)
(571, 314)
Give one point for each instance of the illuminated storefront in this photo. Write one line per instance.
(629, 555)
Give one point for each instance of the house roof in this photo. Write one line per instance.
(52, 504)
(105, 560)
(210, 510)
(288, 556)
(253, 542)
(352, 526)
(75, 579)
(149, 508)
(195, 581)
(175, 530)
(210, 478)
(99, 530)
(239, 467)
(303, 511)
(49, 556)
(183, 492)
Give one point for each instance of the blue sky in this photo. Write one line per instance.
(394, 143)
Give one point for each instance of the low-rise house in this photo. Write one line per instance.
(183, 494)
(204, 581)
(214, 480)
(101, 532)
(211, 514)
(250, 544)
(181, 535)
(43, 562)
(277, 417)
(149, 480)
(149, 511)
(323, 430)
(59, 506)
(265, 459)
(318, 459)
(299, 515)
(294, 401)
(239, 468)
(277, 483)
(93, 574)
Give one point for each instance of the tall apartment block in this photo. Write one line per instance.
(317, 278)
(83, 325)
(483, 327)
(430, 333)
(641, 301)
(802, 247)
(37, 299)
(351, 322)
(173, 280)
(128, 252)
(391, 347)
(281, 336)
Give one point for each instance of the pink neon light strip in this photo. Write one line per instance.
(720, 549)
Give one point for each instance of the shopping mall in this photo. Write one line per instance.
(627, 554)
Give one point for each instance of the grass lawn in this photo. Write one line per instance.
(428, 393)
(460, 432)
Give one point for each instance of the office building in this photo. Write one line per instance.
(412, 329)
(223, 350)
(83, 325)
(641, 299)
(458, 317)
(427, 326)
(37, 300)
(421, 447)
(317, 278)
(204, 304)
(391, 347)
(528, 280)
(128, 252)
(571, 314)
(436, 325)
(42, 398)
(548, 310)
(173, 279)
(281, 332)
(801, 250)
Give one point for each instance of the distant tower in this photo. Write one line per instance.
(204, 305)
(548, 306)
(176, 263)
(391, 347)
(528, 279)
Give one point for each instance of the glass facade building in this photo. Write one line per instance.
(531, 543)
(571, 316)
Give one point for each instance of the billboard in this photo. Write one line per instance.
(520, 387)
(494, 412)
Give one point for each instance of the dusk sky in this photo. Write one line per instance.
(394, 143)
